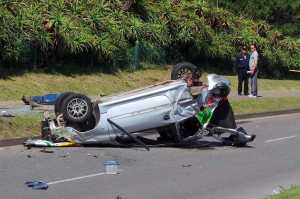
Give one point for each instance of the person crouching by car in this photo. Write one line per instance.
(242, 65)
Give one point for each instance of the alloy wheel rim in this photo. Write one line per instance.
(182, 72)
(77, 108)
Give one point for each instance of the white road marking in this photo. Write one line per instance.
(76, 178)
(280, 139)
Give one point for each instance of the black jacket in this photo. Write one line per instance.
(242, 63)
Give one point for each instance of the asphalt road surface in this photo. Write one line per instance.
(209, 171)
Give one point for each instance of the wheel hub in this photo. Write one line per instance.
(77, 108)
(182, 72)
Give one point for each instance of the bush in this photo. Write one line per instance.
(45, 32)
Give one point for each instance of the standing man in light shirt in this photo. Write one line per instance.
(253, 61)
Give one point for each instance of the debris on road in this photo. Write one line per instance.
(111, 167)
(277, 190)
(186, 165)
(46, 143)
(6, 114)
(37, 185)
(46, 150)
(95, 156)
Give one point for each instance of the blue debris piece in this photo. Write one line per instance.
(48, 99)
(37, 185)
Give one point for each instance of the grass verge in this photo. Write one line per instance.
(270, 84)
(97, 82)
(20, 126)
(93, 84)
(264, 104)
(291, 193)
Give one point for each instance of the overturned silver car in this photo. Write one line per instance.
(167, 109)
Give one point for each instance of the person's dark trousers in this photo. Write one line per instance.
(242, 79)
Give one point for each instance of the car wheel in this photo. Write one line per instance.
(77, 108)
(58, 104)
(180, 69)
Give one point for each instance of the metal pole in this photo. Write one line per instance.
(128, 134)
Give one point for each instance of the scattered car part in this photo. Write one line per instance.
(37, 185)
(46, 143)
(111, 166)
(44, 150)
(6, 114)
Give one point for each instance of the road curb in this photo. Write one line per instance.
(20, 141)
(12, 142)
(266, 114)
(15, 141)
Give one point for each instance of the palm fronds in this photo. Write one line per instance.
(109, 29)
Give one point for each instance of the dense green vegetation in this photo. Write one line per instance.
(94, 32)
(283, 15)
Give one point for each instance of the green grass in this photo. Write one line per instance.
(270, 84)
(291, 193)
(264, 104)
(20, 126)
(90, 84)
(105, 84)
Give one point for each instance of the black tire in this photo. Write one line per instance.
(77, 108)
(180, 69)
(58, 103)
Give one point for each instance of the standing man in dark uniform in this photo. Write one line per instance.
(242, 66)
